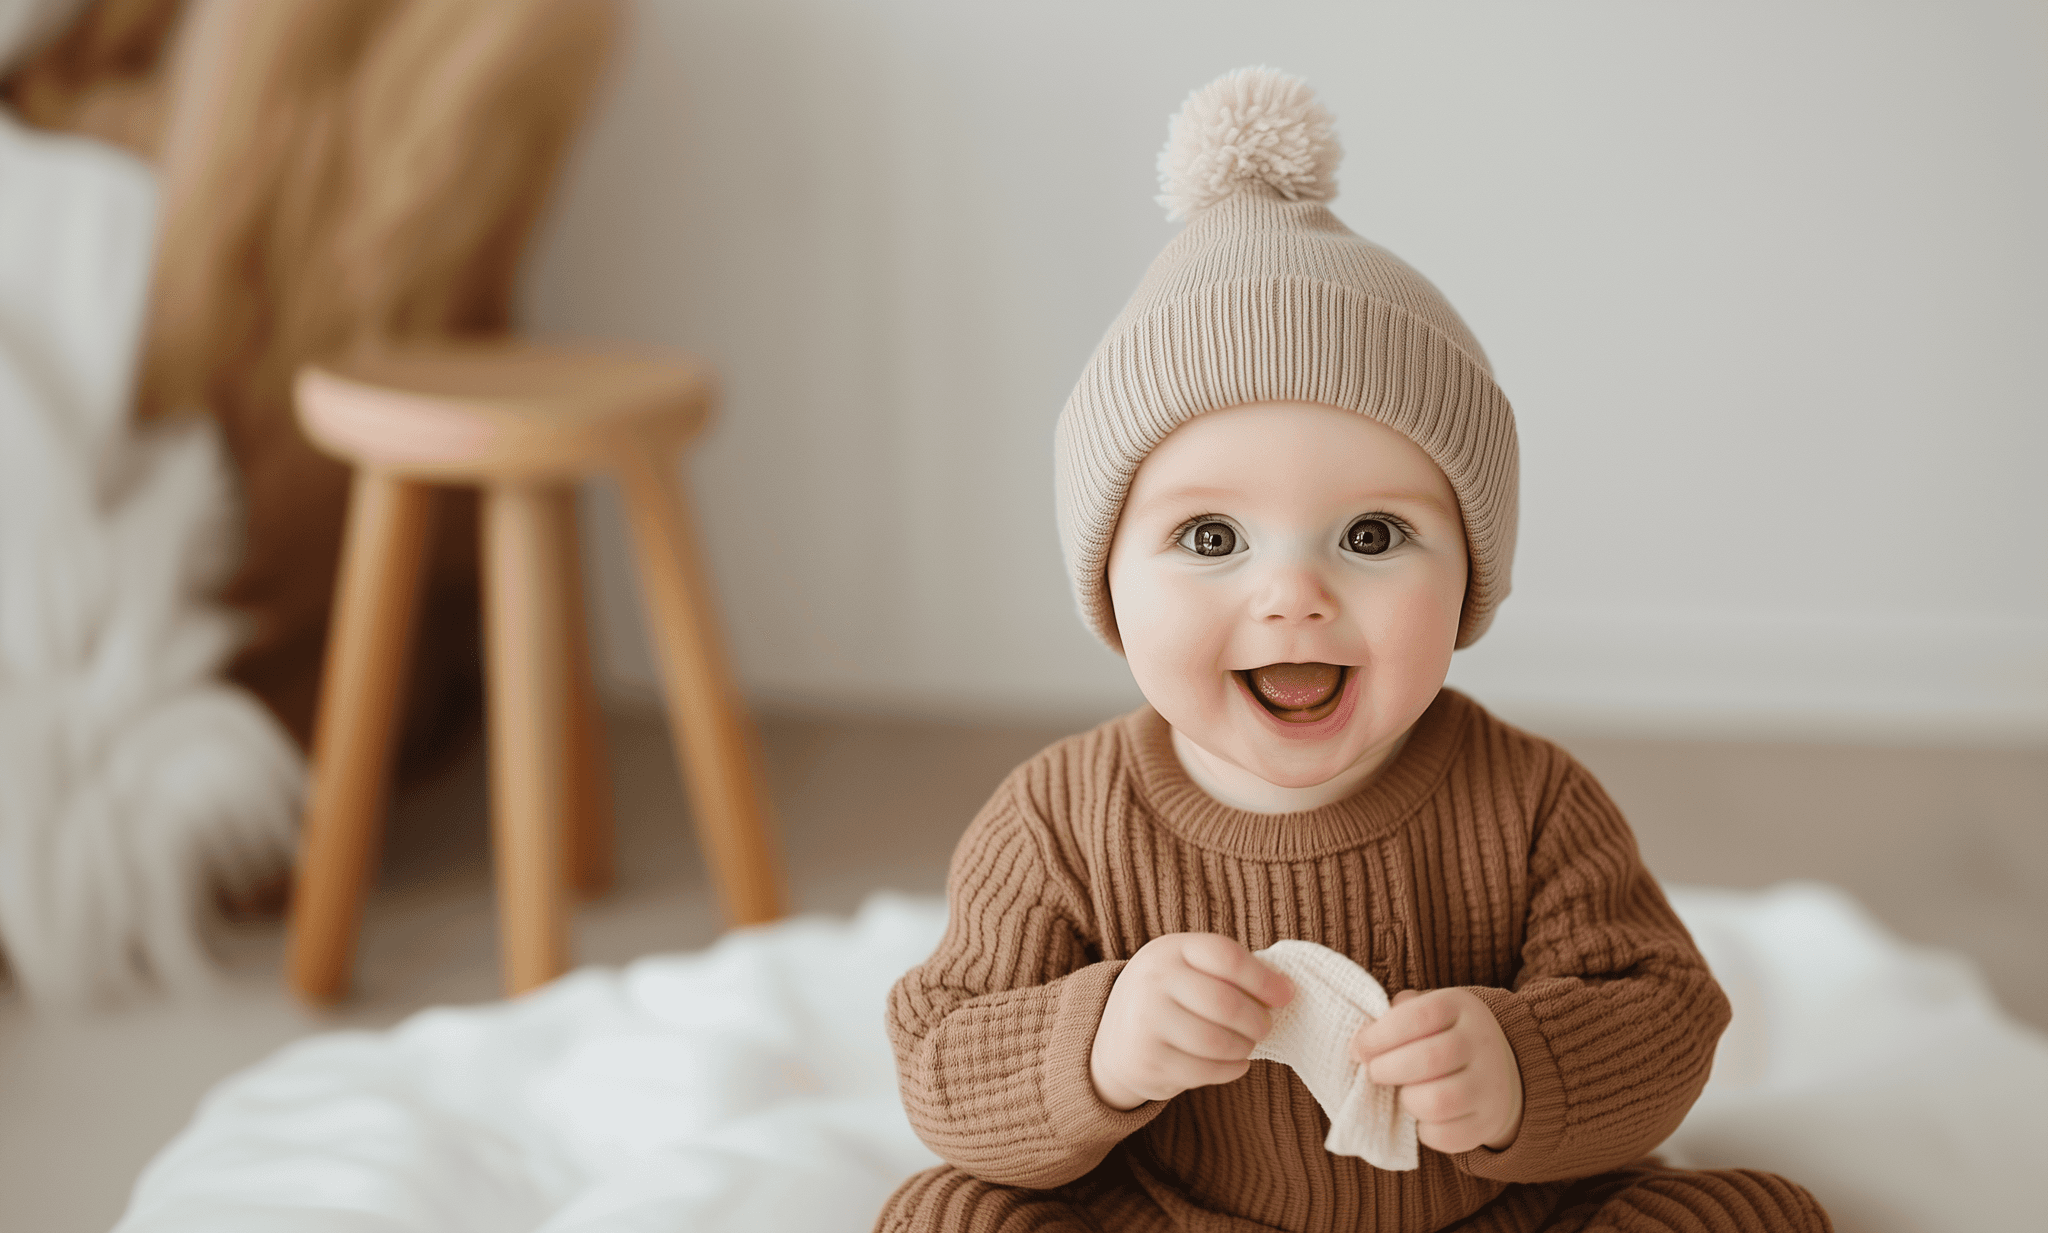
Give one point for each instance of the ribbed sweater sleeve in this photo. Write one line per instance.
(1613, 1015)
(993, 1033)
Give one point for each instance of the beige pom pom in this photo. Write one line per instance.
(1250, 126)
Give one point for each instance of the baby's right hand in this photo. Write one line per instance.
(1185, 1012)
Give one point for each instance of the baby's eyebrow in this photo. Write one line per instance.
(1419, 498)
(1211, 493)
(1188, 492)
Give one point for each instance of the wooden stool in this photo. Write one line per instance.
(524, 422)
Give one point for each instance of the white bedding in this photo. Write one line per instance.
(750, 1087)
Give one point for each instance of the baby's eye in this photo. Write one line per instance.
(1210, 539)
(1372, 535)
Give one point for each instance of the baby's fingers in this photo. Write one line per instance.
(1199, 1037)
(1441, 1102)
(1420, 1061)
(1411, 1018)
(1185, 1070)
(1221, 1003)
(1226, 959)
(1163, 1072)
(1458, 1135)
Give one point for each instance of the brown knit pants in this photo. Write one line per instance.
(1648, 1198)
(1642, 1198)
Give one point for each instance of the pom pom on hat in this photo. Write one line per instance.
(1250, 126)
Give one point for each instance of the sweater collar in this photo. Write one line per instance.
(1380, 805)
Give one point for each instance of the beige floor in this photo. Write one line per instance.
(1947, 846)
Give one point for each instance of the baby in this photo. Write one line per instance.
(1287, 491)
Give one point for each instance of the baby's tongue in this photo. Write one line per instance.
(1296, 687)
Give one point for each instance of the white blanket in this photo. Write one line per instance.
(750, 1088)
(131, 777)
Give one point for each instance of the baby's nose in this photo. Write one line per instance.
(1295, 594)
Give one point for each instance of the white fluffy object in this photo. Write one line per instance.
(1333, 998)
(1250, 126)
(750, 1088)
(132, 779)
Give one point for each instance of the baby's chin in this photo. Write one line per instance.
(1251, 746)
(1292, 767)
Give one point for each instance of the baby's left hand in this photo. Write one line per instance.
(1456, 1071)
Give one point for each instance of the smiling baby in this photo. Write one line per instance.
(1287, 493)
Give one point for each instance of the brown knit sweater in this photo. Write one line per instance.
(1480, 856)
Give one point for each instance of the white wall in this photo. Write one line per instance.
(1764, 281)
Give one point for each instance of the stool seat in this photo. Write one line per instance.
(494, 411)
(522, 421)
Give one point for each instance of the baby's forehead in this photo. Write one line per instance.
(1264, 424)
(1277, 448)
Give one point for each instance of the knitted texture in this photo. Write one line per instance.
(1333, 998)
(1250, 126)
(1266, 296)
(1479, 857)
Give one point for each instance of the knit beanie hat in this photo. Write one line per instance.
(1265, 296)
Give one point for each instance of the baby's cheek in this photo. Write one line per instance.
(1411, 629)
(1172, 626)
(1176, 649)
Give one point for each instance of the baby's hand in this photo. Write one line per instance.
(1185, 1012)
(1456, 1071)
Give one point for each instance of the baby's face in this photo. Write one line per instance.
(1287, 580)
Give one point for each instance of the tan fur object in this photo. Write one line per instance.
(336, 174)
(102, 76)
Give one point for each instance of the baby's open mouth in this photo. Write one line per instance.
(1297, 693)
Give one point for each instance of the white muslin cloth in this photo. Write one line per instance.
(1333, 998)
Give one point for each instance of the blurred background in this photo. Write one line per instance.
(1764, 283)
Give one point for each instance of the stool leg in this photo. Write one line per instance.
(368, 642)
(526, 639)
(706, 719)
(590, 782)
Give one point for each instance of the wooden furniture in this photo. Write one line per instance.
(524, 423)
(334, 173)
